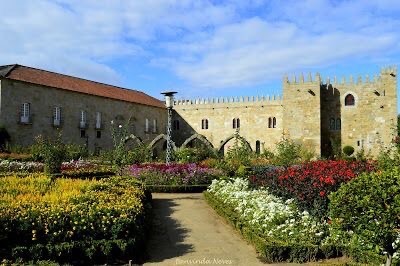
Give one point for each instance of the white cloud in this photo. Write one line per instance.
(213, 44)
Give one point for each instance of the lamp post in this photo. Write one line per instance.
(169, 103)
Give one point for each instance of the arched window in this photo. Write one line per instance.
(338, 124)
(349, 100)
(175, 125)
(258, 147)
(236, 123)
(332, 124)
(204, 124)
(274, 122)
(269, 122)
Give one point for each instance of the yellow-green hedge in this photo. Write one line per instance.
(68, 219)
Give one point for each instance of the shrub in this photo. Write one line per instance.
(4, 138)
(348, 150)
(287, 153)
(75, 221)
(309, 183)
(369, 206)
(278, 229)
(139, 154)
(51, 152)
(76, 152)
(194, 155)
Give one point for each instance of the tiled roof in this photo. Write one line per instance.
(60, 81)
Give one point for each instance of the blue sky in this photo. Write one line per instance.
(201, 48)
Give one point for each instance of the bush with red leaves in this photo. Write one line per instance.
(309, 184)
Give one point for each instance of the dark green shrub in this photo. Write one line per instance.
(369, 206)
(4, 138)
(75, 152)
(51, 152)
(287, 153)
(139, 154)
(194, 155)
(348, 150)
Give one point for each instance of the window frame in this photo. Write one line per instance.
(349, 102)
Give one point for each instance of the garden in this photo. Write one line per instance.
(59, 204)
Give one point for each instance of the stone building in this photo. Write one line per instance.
(319, 114)
(37, 102)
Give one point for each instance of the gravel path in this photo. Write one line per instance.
(186, 231)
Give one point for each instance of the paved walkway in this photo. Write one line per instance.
(186, 231)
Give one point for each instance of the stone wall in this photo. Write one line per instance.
(371, 122)
(252, 112)
(302, 111)
(43, 100)
(312, 112)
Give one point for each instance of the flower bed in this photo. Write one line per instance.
(309, 183)
(78, 168)
(7, 166)
(174, 177)
(82, 168)
(277, 228)
(73, 221)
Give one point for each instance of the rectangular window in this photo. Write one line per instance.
(98, 120)
(98, 134)
(154, 126)
(83, 133)
(25, 113)
(57, 116)
(82, 121)
(146, 129)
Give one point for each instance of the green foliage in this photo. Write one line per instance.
(194, 155)
(75, 152)
(269, 249)
(287, 153)
(72, 221)
(348, 150)
(50, 151)
(336, 148)
(139, 154)
(119, 158)
(4, 138)
(240, 152)
(388, 158)
(369, 206)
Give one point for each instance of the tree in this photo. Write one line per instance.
(369, 205)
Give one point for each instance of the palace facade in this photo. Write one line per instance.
(318, 113)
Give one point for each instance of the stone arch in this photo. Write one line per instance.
(158, 138)
(232, 137)
(134, 138)
(199, 137)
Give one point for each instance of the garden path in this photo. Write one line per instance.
(186, 231)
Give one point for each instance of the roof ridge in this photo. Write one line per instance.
(102, 83)
(6, 69)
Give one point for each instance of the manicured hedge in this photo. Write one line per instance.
(310, 183)
(271, 250)
(278, 230)
(72, 221)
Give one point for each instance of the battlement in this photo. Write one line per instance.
(231, 100)
(301, 80)
(350, 80)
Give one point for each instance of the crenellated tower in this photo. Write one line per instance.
(301, 110)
